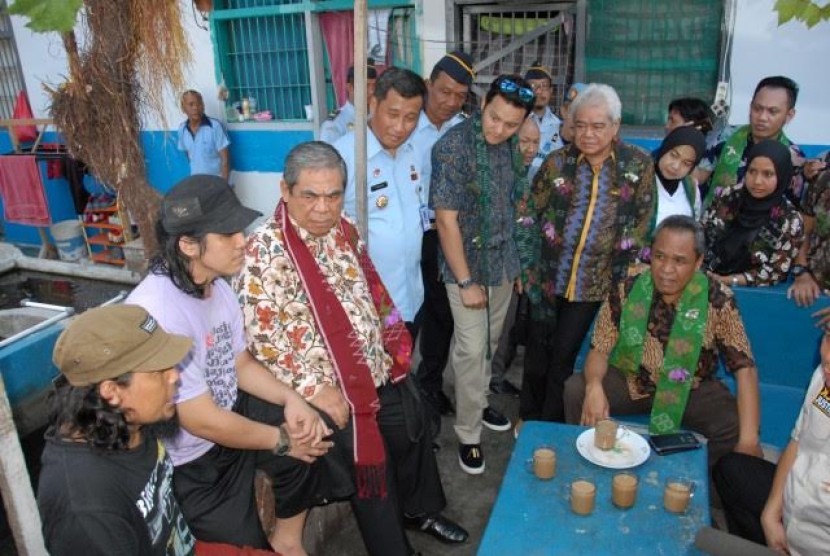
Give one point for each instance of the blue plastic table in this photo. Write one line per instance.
(533, 517)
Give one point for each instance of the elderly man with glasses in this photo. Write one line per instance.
(476, 167)
(580, 228)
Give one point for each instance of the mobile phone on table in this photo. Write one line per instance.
(675, 442)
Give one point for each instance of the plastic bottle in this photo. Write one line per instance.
(246, 109)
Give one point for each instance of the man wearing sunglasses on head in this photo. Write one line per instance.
(476, 167)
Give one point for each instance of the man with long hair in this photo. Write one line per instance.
(234, 416)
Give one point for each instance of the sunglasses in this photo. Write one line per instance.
(510, 87)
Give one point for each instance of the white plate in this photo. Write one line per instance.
(630, 450)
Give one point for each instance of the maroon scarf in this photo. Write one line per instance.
(353, 372)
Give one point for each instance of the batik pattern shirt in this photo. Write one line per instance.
(817, 205)
(454, 187)
(773, 249)
(280, 327)
(592, 222)
(798, 188)
(724, 336)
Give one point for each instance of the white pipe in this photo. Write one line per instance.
(16, 486)
(39, 305)
(120, 296)
(64, 313)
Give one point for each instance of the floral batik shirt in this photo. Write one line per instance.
(279, 324)
(773, 249)
(817, 205)
(592, 224)
(724, 336)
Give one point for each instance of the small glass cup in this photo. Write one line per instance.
(583, 494)
(624, 489)
(677, 494)
(543, 462)
(605, 434)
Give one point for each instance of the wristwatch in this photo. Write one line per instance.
(283, 444)
(798, 270)
(734, 280)
(465, 283)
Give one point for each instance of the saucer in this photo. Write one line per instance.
(630, 450)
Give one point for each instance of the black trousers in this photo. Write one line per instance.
(437, 322)
(550, 355)
(744, 483)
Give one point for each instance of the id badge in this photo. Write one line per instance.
(426, 218)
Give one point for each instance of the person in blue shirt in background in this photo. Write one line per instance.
(203, 138)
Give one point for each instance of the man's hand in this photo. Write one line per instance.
(473, 296)
(304, 423)
(805, 290)
(518, 287)
(595, 406)
(331, 400)
(773, 524)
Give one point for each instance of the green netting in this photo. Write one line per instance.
(652, 51)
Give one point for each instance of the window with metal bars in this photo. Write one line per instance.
(11, 74)
(262, 50)
(262, 53)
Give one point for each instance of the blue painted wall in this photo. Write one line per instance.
(251, 151)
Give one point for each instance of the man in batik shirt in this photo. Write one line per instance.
(655, 349)
(319, 318)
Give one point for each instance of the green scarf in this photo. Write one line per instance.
(682, 350)
(725, 175)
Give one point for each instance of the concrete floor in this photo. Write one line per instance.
(469, 497)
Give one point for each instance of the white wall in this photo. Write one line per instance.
(433, 33)
(762, 48)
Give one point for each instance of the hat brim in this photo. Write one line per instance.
(168, 353)
(236, 220)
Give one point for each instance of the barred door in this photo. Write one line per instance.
(508, 37)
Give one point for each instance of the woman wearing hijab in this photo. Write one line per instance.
(753, 232)
(674, 160)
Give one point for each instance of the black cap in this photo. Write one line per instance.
(204, 204)
(537, 71)
(458, 65)
(371, 72)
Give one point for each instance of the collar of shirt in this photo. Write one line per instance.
(204, 121)
(373, 146)
(547, 115)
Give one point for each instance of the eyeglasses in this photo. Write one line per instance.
(510, 87)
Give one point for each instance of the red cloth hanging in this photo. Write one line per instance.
(22, 111)
(21, 187)
(338, 34)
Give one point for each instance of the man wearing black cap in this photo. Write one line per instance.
(341, 121)
(106, 487)
(542, 84)
(234, 416)
(447, 89)
(476, 168)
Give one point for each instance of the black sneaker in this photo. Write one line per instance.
(494, 420)
(471, 459)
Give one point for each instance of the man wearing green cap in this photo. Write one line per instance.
(106, 485)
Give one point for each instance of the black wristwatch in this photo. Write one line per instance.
(798, 270)
(284, 444)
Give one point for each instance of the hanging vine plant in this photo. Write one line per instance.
(130, 54)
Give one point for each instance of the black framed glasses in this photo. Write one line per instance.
(510, 87)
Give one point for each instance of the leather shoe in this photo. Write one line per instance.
(440, 527)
